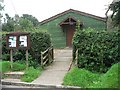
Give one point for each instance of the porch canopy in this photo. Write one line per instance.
(68, 21)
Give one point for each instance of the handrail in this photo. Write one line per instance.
(47, 56)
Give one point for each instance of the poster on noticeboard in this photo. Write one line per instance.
(23, 41)
(12, 41)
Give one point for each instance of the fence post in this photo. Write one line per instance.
(41, 59)
(49, 60)
(76, 57)
(11, 58)
(27, 59)
(52, 53)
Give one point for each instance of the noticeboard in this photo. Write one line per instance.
(18, 40)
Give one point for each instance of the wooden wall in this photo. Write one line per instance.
(58, 36)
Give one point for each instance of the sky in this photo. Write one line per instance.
(43, 9)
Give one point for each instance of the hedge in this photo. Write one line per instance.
(97, 50)
(39, 41)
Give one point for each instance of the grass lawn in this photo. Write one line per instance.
(87, 79)
(80, 77)
(30, 73)
(6, 66)
(110, 79)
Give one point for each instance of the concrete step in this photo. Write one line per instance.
(32, 86)
(14, 75)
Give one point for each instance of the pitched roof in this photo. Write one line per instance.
(74, 11)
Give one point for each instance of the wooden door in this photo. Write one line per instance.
(69, 35)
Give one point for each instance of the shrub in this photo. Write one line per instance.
(6, 57)
(32, 62)
(97, 51)
(40, 41)
(19, 55)
(5, 51)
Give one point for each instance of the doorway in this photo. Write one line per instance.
(68, 27)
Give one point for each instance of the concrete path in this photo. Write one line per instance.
(54, 73)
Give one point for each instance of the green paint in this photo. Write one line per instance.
(58, 37)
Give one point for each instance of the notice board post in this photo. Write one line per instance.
(11, 58)
(18, 40)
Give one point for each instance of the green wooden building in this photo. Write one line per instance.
(62, 26)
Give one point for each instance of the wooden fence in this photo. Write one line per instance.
(47, 56)
(76, 57)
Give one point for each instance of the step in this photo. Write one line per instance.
(33, 86)
(14, 75)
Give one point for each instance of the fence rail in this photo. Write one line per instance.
(47, 56)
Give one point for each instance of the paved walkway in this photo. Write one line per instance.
(54, 73)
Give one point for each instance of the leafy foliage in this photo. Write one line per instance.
(115, 7)
(1, 9)
(24, 23)
(31, 18)
(1, 6)
(97, 51)
(9, 24)
(40, 41)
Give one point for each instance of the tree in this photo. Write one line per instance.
(8, 24)
(31, 19)
(17, 23)
(115, 8)
(1, 9)
(24, 23)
